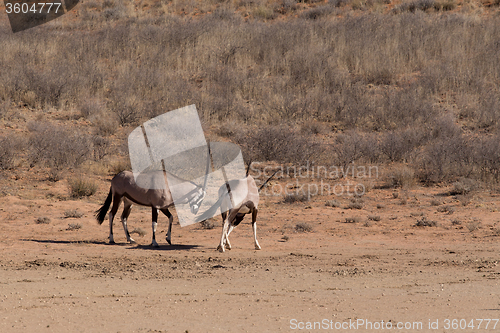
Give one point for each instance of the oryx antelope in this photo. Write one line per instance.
(249, 205)
(124, 188)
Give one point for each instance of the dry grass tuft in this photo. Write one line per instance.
(303, 227)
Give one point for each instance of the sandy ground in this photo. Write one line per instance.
(54, 279)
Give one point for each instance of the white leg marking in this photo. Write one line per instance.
(228, 245)
(223, 238)
(254, 226)
(153, 242)
(129, 239)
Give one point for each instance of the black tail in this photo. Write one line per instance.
(100, 214)
(268, 179)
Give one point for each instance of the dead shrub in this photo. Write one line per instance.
(207, 225)
(74, 226)
(375, 218)
(435, 202)
(80, 187)
(333, 203)
(139, 231)
(73, 213)
(402, 176)
(7, 152)
(42, 220)
(100, 147)
(445, 160)
(303, 227)
(464, 186)
(119, 165)
(355, 204)
(295, 197)
(91, 107)
(424, 222)
(354, 219)
(446, 209)
(57, 147)
(278, 143)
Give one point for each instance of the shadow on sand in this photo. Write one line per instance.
(52, 241)
(165, 247)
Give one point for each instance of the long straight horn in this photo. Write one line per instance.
(248, 168)
(207, 171)
(268, 179)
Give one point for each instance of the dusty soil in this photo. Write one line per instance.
(54, 278)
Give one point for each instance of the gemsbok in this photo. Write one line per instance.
(124, 188)
(231, 217)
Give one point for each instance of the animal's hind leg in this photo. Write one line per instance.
(116, 204)
(222, 245)
(254, 227)
(231, 227)
(226, 226)
(126, 212)
(154, 217)
(170, 220)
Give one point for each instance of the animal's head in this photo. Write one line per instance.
(196, 201)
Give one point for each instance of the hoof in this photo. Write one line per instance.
(154, 244)
(131, 241)
(168, 241)
(257, 247)
(220, 248)
(112, 242)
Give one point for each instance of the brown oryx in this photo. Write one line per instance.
(124, 187)
(231, 217)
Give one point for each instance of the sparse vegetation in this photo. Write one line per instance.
(333, 203)
(446, 209)
(375, 218)
(303, 227)
(74, 226)
(42, 220)
(435, 202)
(354, 219)
(207, 224)
(473, 225)
(424, 222)
(355, 204)
(139, 231)
(268, 73)
(295, 197)
(80, 187)
(73, 213)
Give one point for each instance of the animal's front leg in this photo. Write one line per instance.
(126, 212)
(129, 239)
(170, 220)
(154, 214)
(228, 245)
(223, 238)
(254, 227)
(169, 232)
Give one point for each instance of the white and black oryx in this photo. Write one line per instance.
(124, 188)
(231, 217)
